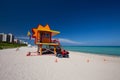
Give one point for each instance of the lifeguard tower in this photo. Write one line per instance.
(43, 37)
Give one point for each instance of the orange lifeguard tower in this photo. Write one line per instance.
(43, 36)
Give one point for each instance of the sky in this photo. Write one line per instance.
(81, 22)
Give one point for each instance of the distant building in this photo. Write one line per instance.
(11, 40)
(6, 37)
(26, 43)
(23, 42)
(19, 41)
(16, 41)
(3, 37)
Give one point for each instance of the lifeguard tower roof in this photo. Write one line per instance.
(44, 28)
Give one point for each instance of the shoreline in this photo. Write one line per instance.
(107, 55)
(102, 50)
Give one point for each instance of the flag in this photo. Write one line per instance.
(29, 35)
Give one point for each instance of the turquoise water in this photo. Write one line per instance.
(104, 50)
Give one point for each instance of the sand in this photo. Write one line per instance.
(15, 65)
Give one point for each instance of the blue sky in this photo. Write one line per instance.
(81, 22)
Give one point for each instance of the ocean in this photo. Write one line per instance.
(103, 50)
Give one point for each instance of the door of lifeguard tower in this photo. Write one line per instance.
(45, 37)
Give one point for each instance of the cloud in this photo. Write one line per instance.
(64, 40)
(24, 37)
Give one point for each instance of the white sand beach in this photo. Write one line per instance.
(15, 65)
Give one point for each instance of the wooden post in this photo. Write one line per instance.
(55, 50)
(40, 49)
